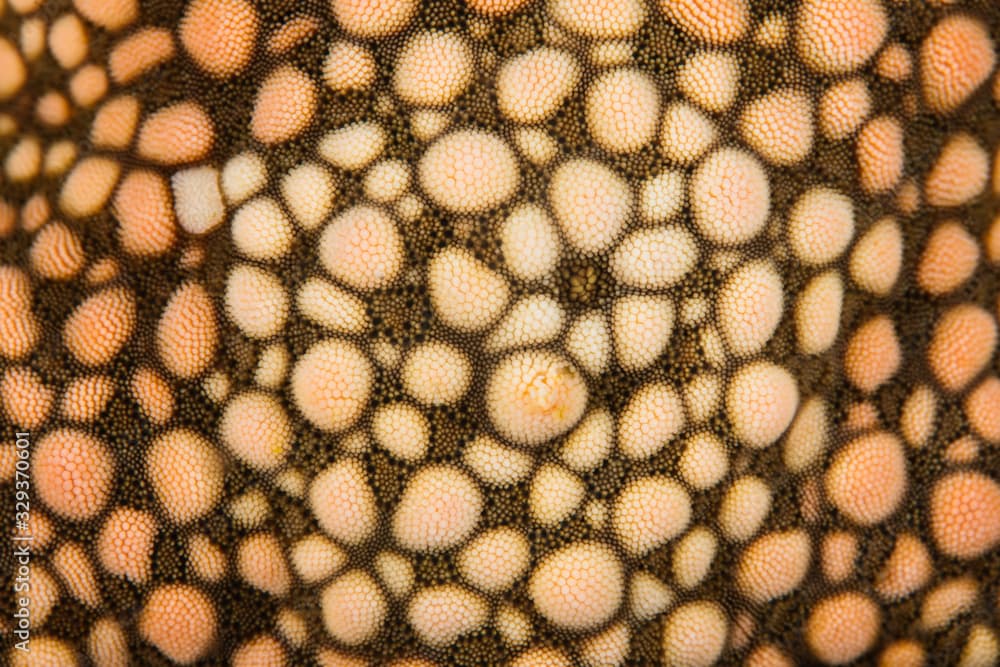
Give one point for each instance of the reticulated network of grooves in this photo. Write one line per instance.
(541, 333)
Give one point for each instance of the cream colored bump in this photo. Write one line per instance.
(694, 635)
(533, 85)
(652, 418)
(24, 160)
(349, 66)
(589, 342)
(436, 373)
(730, 196)
(308, 191)
(198, 199)
(873, 355)
(578, 587)
(622, 110)
(535, 396)
(256, 429)
(946, 601)
(650, 512)
(176, 134)
(88, 85)
(779, 126)
(465, 292)
(704, 461)
(261, 563)
(139, 52)
(716, 23)
(744, 508)
(895, 63)
(877, 257)
(880, 154)
(981, 647)
(353, 608)
(107, 643)
(774, 565)
(760, 403)
(59, 157)
(243, 176)
(750, 306)
(710, 79)
(343, 502)
(441, 614)
(353, 146)
(291, 626)
(867, 479)
(949, 259)
(495, 464)
(555, 494)
(662, 196)
(32, 38)
(648, 596)
(839, 37)
(73, 565)
(591, 203)
(433, 68)
(14, 72)
(536, 145)
(513, 625)
(533, 320)
(820, 225)
(693, 556)
(702, 396)
(331, 383)
(153, 394)
(284, 105)
(919, 415)
(249, 510)
(395, 571)
(56, 252)
(654, 258)
(45, 650)
(469, 171)
(808, 436)
(530, 243)
(439, 508)
(402, 430)
(187, 333)
(495, 559)
(959, 174)
(387, 181)
(612, 53)
(686, 133)
(428, 124)
(962, 343)
(261, 231)
(956, 58)
(817, 312)
(838, 555)
(599, 18)
(331, 307)
(97, 330)
(641, 327)
(25, 398)
(843, 107)
(607, 649)
(362, 248)
(589, 444)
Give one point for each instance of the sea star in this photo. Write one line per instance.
(522, 332)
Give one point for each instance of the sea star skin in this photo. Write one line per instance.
(515, 332)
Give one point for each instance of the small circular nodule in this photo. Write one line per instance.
(535, 396)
